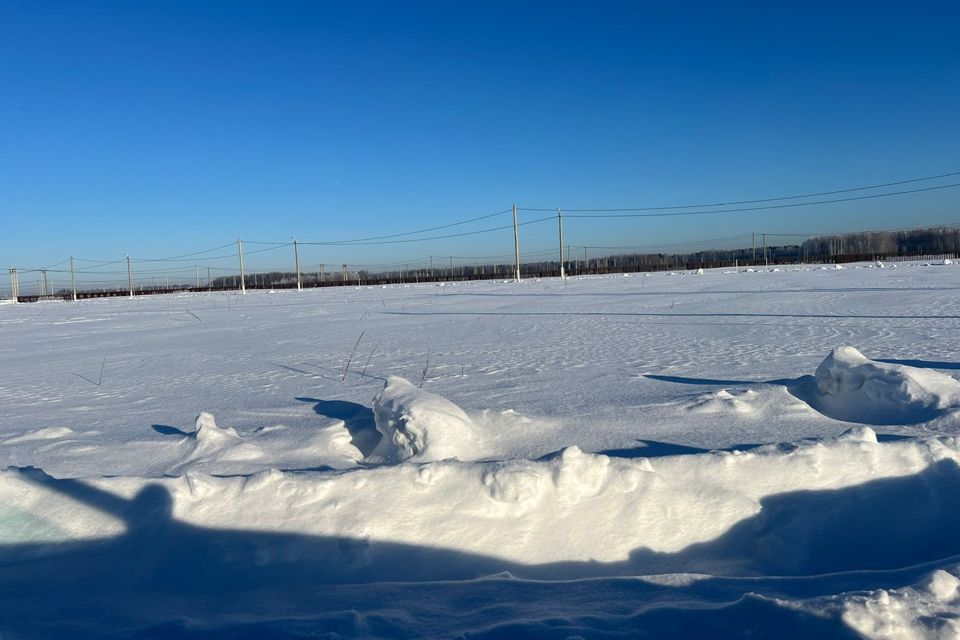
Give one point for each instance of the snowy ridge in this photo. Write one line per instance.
(606, 507)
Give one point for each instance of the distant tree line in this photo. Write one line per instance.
(936, 240)
(844, 247)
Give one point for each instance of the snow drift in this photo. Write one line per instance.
(210, 442)
(851, 387)
(420, 426)
(578, 507)
(928, 610)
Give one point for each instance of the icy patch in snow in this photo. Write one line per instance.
(928, 610)
(420, 426)
(851, 387)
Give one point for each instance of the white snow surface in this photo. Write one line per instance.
(420, 426)
(770, 452)
(853, 388)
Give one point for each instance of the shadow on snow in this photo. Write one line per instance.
(357, 419)
(170, 578)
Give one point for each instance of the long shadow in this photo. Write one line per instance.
(657, 449)
(314, 374)
(167, 430)
(167, 578)
(619, 294)
(678, 314)
(357, 418)
(923, 364)
(650, 449)
(712, 381)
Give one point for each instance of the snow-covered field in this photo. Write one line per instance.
(665, 455)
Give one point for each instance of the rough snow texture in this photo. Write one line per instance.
(659, 438)
(607, 508)
(420, 426)
(928, 609)
(851, 387)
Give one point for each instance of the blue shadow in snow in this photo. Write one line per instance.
(714, 382)
(167, 430)
(805, 390)
(357, 419)
(165, 577)
(923, 364)
(656, 449)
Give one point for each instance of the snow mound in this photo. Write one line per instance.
(420, 426)
(928, 610)
(851, 387)
(208, 433)
(211, 442)
(724, 401)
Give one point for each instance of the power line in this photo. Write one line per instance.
(766, 208)
(726, 204)
(185, 255)
(344, 243)
(400, 235)
(667, 244)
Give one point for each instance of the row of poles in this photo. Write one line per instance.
(15, 278)
(516, 253)
(44, 289)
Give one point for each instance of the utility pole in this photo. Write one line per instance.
(129, 277)
(753, 235)
(43, 283)
(766, 262)
(73, 279)
(197, 267)
(296, 258)
(14, 284)
(243, 285)
(585, 263)
(516, 242)
(322, 269)
(563, 273)
(431, 267)
(209, 281)
(451, 268)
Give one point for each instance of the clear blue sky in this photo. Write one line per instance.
(158, 128)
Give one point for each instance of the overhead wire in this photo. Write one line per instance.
(764, 208)
(755, 201)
